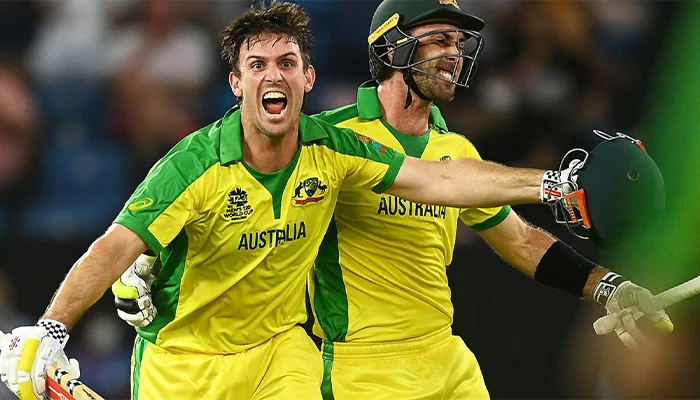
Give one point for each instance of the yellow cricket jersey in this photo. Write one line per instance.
(236, 245)
(381, 272)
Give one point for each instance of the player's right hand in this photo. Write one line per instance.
(627, 304)
(132, 292)
(25, 356)
(557, 184)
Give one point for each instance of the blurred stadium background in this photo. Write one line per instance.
(92, 93)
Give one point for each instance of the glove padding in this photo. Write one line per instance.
(132, 292)
(627, 305)
(25, 356)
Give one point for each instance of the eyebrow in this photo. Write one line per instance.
(287, 54)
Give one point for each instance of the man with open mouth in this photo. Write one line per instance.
(378, 287)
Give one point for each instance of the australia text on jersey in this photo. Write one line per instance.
(392, 205)
(272, 237)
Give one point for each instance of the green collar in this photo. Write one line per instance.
(368, 107)
(231, 138)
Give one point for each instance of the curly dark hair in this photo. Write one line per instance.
(282, 18)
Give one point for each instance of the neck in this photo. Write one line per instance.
(268, 153)
(392, 97)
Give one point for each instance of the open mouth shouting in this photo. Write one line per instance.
(274, 103)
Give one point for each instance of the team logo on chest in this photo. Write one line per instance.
(310, 190)
(238, 208)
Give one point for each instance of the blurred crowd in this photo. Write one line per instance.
(92, 93)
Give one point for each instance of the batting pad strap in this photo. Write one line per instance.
(563, 268)
(606, 287)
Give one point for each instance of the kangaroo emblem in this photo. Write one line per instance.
(323, 188)
(297, 191)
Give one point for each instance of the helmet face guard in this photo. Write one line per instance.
(390, 40)
(616, 192)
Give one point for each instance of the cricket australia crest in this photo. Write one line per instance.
(310, 190)
(238, 208)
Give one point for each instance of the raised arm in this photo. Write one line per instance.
(93, 274)
(466, 183)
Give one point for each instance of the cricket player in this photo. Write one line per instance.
(236, 213)
(379, 288)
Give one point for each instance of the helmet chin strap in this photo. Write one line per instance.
(411, 84)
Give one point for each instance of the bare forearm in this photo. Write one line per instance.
(466, 183)
(92, 275)
(526, 255)
(525, 246)
(488, 184)
(519, 243)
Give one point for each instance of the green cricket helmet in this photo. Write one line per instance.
(618, 191)
(391, 47)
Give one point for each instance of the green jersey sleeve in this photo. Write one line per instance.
(166, 201)
(364, 163)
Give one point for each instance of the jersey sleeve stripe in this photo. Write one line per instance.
(493, 221)
(135, 225)
(391, 174)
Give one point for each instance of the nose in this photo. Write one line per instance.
(273, 74)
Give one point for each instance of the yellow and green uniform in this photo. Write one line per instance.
(380, 276)
(236, 247)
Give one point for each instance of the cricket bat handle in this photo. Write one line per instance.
(662, 300)
(63, 386)
(678, 293)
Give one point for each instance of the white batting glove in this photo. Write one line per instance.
(132, 292)
(25, 356)
(557, 184)
(626, 303)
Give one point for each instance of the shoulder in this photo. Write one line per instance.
(194, 154)
(342, 140)
(338, 115)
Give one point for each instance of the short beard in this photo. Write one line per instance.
(433, 88)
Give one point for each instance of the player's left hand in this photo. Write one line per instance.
(626, 305)
(132, 292)
(26, 354)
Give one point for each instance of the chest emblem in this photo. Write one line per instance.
(310, 190)
(238, 208)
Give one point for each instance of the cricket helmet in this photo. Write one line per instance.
(618, 191)
(388, 37)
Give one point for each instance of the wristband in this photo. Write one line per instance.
(563, 268)
(55, 329)
(606, 287)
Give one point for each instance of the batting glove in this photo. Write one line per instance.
(557, 184)
(626, 303)
(25, 356)
(132, 292)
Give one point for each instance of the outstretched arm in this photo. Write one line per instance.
(466, 183)
(538, 254)
(94, 273)
(523, 245)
